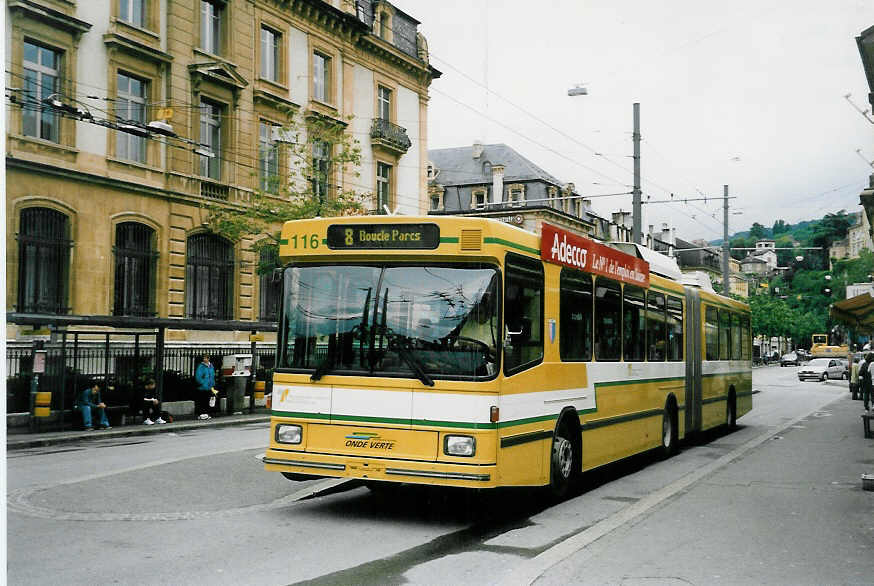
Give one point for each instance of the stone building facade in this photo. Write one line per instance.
(130, 117)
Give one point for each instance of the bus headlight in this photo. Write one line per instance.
(459, 445)
(288, 434)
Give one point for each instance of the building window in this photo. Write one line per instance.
(211, 26)
(43, 261)
(135, 259)
(478, 198)
(436, 201)
(552, 194)
(516, 195)
(209, 278)
(321, 169)
(132, 11)
(210, 139)
(268, 158)
(384, 26)
(383, 186)
(41, 75)
(270, 54)
(321, 77)
(130, 106)
(270, 290)
(384, 103)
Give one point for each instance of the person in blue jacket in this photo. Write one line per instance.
(205, 378)
(88, 402)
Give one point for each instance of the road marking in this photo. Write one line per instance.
(18, 500)
(530, 570)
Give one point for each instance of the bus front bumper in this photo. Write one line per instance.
(416, 472)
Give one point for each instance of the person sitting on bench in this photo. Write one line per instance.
(151, 405)
(88, 402)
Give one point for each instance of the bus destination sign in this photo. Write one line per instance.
(565, 248)
(383, 236)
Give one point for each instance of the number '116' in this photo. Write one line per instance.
(306, 241)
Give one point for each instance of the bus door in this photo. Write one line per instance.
(694, 353)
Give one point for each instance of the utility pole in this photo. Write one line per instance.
(726, 282)
(636, 207)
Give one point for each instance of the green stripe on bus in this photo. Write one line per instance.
(448, 239)
(515, 422)
(712, 374)
(283, 241)
(388, 420)
(619, 383)
(493, 240)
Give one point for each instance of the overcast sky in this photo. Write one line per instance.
(748, 93)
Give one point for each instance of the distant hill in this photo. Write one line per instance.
(802, 232)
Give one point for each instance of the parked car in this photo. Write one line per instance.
(822, 369)
(791, 359)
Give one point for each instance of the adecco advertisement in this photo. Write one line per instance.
(565, 248)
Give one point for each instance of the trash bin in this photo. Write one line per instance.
(236, 391)
(240, 366)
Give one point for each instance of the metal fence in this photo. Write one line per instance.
(70, 368)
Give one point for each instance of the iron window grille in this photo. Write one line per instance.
(270, 290)
(43, 261)
(135, 269)
(209, 278)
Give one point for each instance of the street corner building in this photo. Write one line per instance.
(128, 119)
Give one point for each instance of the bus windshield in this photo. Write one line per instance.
(423, 321)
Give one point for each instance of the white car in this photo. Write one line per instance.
(822, 369)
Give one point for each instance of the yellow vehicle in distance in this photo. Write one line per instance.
(820, 348)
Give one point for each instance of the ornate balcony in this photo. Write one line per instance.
(390, 137)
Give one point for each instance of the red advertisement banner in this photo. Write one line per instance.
(565, 248)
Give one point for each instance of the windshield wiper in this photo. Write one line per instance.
(398, 343)
(323, 368)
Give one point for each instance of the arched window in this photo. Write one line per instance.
(209, 278)
(135, 258)
(270, 290)
(43, 261)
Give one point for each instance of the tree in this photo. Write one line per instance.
(779, 228)
(758, 232)
(317, 150)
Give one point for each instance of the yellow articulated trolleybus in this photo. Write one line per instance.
(468, 352)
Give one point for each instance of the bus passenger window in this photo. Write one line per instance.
(575, 317)
(724, 335)
(523, 313)
(735, 337)
(608, 319)
(655, 326)
(634, 323)
(746, 353)
(711, 334)
(675, 329)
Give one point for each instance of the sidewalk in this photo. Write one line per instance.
(31, 440)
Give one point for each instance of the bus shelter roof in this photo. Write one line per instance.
(857, 312)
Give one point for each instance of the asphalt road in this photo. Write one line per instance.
(196, 507)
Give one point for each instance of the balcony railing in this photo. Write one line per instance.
(214, 190)
(390, 136)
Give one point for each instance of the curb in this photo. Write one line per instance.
(34, 440)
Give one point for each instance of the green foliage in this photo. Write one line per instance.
(779, 228)
(297, 193)
(757, 231)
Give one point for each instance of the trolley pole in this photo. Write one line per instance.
(726, 282)
(636, 211)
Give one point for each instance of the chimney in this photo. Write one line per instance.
(587, 206)
(477, 149)
(666, 233)
(651, 227)
(497, 194)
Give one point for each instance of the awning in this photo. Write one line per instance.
(856, 312)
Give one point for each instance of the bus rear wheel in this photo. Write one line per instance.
(563, 470)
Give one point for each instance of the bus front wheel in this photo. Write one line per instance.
(564, 461)
(670, 433)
